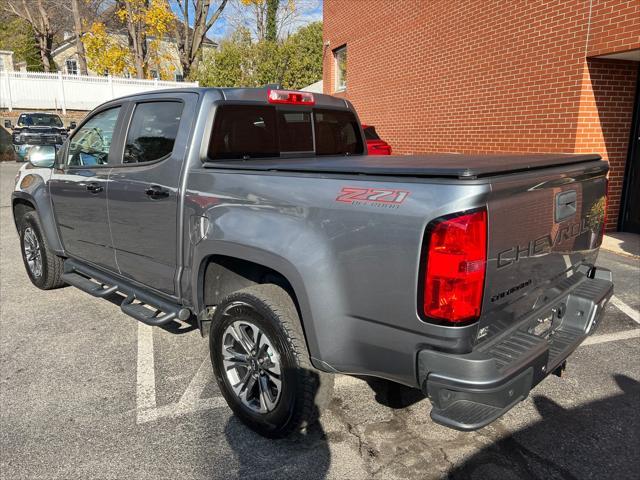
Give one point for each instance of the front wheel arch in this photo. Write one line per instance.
(20, 208)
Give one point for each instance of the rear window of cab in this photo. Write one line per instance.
(246, 131)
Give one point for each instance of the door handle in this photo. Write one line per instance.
(155, 191)
(94, 187)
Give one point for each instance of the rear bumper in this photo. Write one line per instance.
(472, 390)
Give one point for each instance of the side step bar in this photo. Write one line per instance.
(87, 285)
(140, 304)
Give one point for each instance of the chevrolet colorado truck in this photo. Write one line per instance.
(37, 128)
(256, 215)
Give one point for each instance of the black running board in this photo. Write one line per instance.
(144, 306)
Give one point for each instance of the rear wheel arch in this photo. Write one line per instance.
(222, 275)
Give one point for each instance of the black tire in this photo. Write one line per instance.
(305, 391)
(50, 273)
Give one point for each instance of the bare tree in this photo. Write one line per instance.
(190, 35)
(78, 31)
(271, 23)
(41, 15)
(268, 19)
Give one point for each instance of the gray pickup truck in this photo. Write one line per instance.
(257, 215)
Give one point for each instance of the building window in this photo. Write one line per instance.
(340, 56)
(154, 74)
(72, 67)
(179, 77)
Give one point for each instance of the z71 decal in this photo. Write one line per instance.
(372, 196)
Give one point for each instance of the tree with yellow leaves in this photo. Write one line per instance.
(147, 24)
(105, 54)
(145, 19)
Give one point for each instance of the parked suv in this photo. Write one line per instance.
(258, 215)
(37, 128)
(375, 145)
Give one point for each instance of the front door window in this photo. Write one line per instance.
(91, 143)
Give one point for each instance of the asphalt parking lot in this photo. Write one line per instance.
(86, 392)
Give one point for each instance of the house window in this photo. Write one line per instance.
(154, 74)
(72, 67)
(340, 56)
(179, 77)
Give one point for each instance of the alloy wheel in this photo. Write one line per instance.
(252, 366)
(32, 252)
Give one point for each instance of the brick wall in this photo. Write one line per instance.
(604, 120)
(615, 26)
(490, 76)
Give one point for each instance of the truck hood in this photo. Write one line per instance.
(427, 165)
(39, 130)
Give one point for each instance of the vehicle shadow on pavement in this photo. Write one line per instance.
(304, 455)
(393, 395)
(594, 440)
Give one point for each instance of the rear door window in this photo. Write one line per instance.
(152, 132)
(243, 132)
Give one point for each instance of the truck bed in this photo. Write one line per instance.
(448, 165)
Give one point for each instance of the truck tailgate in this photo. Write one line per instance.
(543, 227)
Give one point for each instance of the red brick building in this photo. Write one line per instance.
(473, 76)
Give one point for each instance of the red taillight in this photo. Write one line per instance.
(292, 98)
(456, 264)
(380, 149)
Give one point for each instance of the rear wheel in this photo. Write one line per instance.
(261, 363)
(43, 266)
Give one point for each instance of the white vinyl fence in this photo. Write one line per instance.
(52, 91)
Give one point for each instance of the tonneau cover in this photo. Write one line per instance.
(428, 165)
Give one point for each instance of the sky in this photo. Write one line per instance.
(307, 11)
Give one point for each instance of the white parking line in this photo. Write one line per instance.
(612, 337)
(190, 401)
(626, 309)
(146, 389)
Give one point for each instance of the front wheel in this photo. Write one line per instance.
(43, 266)
(261, 363)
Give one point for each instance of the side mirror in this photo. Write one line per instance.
(72, 125)
(42, 156)
(7, 124)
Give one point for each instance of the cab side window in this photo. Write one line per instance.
(152, 132)
(90, 144)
